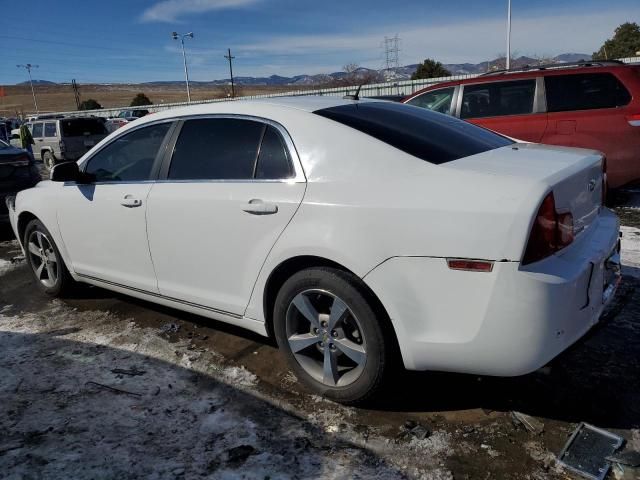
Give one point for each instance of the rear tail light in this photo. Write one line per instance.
(469, 265)
(551, 232)
(19, 162)
(634, 120)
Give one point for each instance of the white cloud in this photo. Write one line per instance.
(454, 42)
(170, 10)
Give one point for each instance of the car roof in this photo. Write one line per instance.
(533, 72)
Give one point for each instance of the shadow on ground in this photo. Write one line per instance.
(72, 409)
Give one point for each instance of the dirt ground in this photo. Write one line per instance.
(106, 386)
(60, 98)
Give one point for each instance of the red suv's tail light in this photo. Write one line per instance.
(551, 231)
(634, 120)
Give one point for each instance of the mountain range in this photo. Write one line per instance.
(372, 75)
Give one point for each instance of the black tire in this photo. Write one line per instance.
(373, 332)
(48, 159)
(63, 283)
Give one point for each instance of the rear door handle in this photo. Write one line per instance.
(130, 201)
(257, 207)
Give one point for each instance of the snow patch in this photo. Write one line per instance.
(6, 266)
(630, 251)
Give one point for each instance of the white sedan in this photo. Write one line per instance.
(355, 232)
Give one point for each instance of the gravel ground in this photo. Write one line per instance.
(105, 386)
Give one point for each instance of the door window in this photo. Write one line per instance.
(498, 98)
(50, 129)
(37, 130)
(273, 160)
(216, 149)
(584, 92)
(130, 157)
(436, 100)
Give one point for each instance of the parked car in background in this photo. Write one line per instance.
(64, 139)
(17, 172)
(125, 117)
(591, 105)
(357, 233)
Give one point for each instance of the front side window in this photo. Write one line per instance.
(37, 130)
(130, 157)
(216, 149)
(584, 91)
(417, 131)
(498, 98)
(50, 129)
(436, 100)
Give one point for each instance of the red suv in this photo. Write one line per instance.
(592, 105)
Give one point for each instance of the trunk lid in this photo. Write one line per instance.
(574, 175)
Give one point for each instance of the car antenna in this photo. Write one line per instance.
(355, 96)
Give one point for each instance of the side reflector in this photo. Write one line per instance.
(634, 120)
(469, 265)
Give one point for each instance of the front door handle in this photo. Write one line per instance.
(131, 201)
(257, 207)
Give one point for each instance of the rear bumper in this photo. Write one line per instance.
(508, 322)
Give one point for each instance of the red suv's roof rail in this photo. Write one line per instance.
(527, 68)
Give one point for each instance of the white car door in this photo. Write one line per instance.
(103, 223)
(230, 188)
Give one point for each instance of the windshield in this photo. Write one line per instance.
(77, 127)
(430, 136)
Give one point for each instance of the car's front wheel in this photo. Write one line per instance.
(332, 335)
(43, 257)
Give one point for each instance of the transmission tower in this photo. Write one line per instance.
(391, 52)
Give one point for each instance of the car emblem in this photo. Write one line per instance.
(592, 185)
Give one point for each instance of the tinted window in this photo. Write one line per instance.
(37, 130)
(417, 131)
(498, 98)
(436, 100)
(77, 127)
(584, 91)
(273, 159)
(50, 129)
(130, 157)
(216, 149)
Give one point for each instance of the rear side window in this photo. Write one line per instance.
(498, 98)
(50, 129)
(77, 127)
(436, 100)
(273, 160)
(216, 149)
(130, 157)
(37, 130)
(417, 131)
(584, 92)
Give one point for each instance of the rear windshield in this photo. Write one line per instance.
(430, 136)
(77, 127)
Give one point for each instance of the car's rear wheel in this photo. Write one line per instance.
(45, 261)
(48, 159)
(332, 335)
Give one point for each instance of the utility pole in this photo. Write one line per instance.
(229, 57)
(508, 62)
(76, 92)
(175, 36)
(28, 67)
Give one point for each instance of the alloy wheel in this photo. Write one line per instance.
(43, 258)
(326, 338)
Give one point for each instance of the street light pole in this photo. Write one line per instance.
(508, 62)
(28, 67)
(181, 36)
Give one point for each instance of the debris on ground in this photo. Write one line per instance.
(170, 328)
(132, 372)
(630, 458)
(586, 451)
(530, 423)
(412, 429)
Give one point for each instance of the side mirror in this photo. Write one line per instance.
(68, 172)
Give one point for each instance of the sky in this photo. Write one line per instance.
(130, 40)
